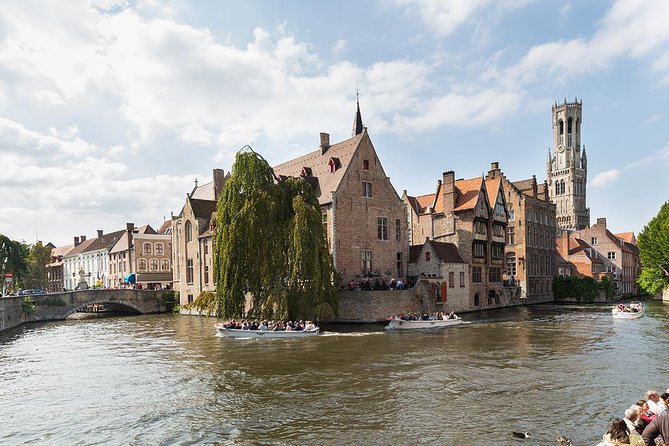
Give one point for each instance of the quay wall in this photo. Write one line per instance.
(10, 312)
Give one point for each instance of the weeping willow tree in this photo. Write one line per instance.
(12, 259)
(271, 256)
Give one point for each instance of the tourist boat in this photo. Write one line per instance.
(237, 333)
(633, 310)
(399, 324)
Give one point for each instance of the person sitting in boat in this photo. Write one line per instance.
(290, 326)
(264, 326)
(621, 307)
(309, 326)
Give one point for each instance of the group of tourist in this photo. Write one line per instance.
(425, 317)
(377, 285)
(646, 423)
(265, 325)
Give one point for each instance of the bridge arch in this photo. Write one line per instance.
(114, 304)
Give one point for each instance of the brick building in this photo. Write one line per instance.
(577, 258)
(529, 256)
(54, 269)
(442, 265)
(363, 216)
(620, 258)
(472, 214)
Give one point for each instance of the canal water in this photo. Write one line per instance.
(167, 380)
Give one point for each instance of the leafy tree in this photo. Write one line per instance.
(271, 255)
(39, 257)
(12, 259)
(653, 244)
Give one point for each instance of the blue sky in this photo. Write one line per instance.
(110, 109)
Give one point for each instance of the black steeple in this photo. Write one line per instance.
(357, 121)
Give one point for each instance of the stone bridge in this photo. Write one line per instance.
(58, 306)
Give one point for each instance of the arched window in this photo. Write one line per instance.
(147, 248)
(570, 121)
(141, 265)
(476, 300)
(189, 231)
(557, 188)
(365, 164)
(561, 127)
(165, 265)
(562, 187)
(159, 249)
(153, 264)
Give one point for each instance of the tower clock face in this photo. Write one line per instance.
(560, 148)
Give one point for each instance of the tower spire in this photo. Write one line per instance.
(357, 120)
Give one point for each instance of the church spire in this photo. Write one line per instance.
(357, 121)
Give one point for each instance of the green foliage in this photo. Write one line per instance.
(39, 256)
(607, 286)
(27, 305)
(653, 242)
(270, 250)
(13, 259)
(583, 289)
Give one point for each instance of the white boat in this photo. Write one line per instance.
(632, 311)
(237, 333)
(399, 324)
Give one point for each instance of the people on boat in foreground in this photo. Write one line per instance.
(266, 325)
(426, 317)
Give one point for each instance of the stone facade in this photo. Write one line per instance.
(567, 169)
(441, 265)
(529, 257)
(11, 314)
(192, 240)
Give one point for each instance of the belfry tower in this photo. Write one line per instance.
(567, 167)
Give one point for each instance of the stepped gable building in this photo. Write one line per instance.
(192, 239)
(472, 214)
(363, 216)
(442, 265)
(567, 167)
(529, 257)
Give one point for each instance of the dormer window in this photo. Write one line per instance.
(306, 172)
(365, 164)
(334, 164)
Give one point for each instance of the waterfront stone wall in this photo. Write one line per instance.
(10, 312)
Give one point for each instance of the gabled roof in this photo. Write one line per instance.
(447, 252)
(202, 208)
(583, 247)
(166, 227)
(204, 192)
(61, 250)
(468, 193)
(105, 242)
(492, 188)
(324, 180)
(81, 247)
(628, 237)
(524, 186)
(618, 241)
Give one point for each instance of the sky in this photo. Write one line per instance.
(111, 109)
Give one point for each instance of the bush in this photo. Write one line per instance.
(583, 289)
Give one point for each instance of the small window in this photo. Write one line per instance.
(147, 248)
(451, 279)
(382, 228)
(159, 249)
(612, 255)
(141, 265)
(366, 261)
(462, 279)
(366, 189)
(165, 265)
(153, 265)
(365, 164)
(593, 241)
(476, 300)
(398, 229)
(427, 255)
(477, 274)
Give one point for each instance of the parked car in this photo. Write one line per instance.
(29, 292)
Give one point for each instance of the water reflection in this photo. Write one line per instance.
(169, 380)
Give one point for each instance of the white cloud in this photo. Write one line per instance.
(661, 156)
(565, 9)
(340, 46)
(605, 178)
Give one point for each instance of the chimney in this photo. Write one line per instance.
(601, 221)
(325, 142)
(82, 238)
(99, 233)
(219, 182)
(129, 228)
(76, 241)
(449, 191)
(534, 186)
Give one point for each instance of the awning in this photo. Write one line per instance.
(130, 278)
